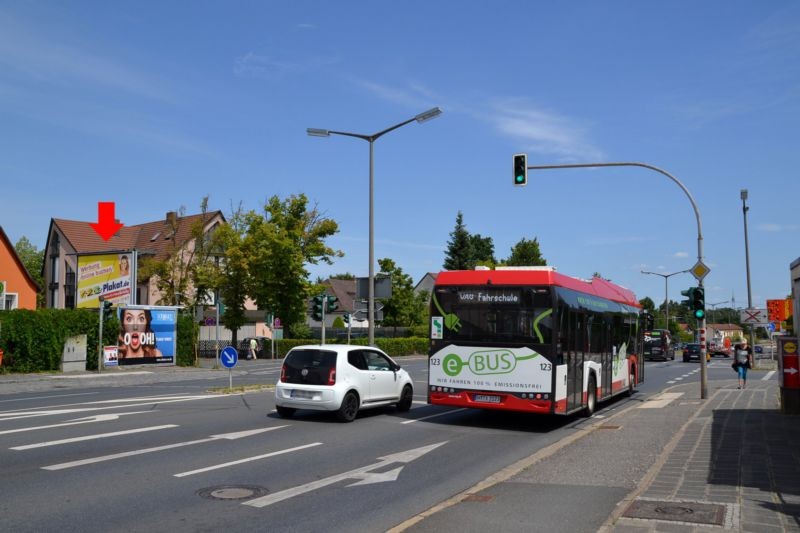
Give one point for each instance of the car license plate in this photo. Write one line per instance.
(306, 395)
(486, 398)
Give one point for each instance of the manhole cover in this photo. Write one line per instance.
(694, 512)
(232, 492)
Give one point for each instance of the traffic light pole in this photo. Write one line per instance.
(101, 313)
(703, 376)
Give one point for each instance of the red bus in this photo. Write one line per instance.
(533, 340)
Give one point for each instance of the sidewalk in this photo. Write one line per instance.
(673, 463)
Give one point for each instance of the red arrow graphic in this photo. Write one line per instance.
(106, 225)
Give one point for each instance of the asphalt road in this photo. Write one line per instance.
(171, 456)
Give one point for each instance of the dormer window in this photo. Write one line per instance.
(154, 237)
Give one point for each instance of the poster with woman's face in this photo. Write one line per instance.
(147, 335)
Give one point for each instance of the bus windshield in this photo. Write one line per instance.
(518, 315)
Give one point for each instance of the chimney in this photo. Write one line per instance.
(172, 218)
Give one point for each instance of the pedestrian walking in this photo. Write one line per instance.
(743, 360)
(253, 348)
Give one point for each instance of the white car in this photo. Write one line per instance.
(341, 378)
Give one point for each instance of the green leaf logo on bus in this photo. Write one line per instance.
(483, 363)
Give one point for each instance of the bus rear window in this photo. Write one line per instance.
(502, 314)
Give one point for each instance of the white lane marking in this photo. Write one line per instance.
(229, 436)
(84, 376)
(169, 396)
(30, 414)
(661, 400)
(92, 437)
(679, 379)
(240, 461)
(671, 382)
(420, 381)
(768, 375)
(433, 416)
(77, 421)
(363, 474)
(419, 402)
(45, 397)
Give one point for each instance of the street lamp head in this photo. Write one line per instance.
(428, 115)
(743, 194)
(315, 132)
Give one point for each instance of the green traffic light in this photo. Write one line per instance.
(699, 313)
(520, 179)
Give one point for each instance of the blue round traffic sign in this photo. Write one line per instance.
(229, 357)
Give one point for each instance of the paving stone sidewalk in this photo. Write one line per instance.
(735, 467)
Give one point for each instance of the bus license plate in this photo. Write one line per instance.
(486, 398)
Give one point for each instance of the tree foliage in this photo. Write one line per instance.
(278, 244)
(458, 255)
(526, 253)
(33, 260)
(405, 307)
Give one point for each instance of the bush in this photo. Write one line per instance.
(33, 341)
(393, 347)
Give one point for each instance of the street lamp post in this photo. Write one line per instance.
(703, 376)
(314, 132)
(666, 292)
(714, 308)
(745, 209)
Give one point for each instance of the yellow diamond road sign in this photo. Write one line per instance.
(699, 271)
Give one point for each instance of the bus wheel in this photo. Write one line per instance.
(591, 397)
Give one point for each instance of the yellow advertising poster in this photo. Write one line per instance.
(108, 276)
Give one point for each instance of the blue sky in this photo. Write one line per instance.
(154, 105)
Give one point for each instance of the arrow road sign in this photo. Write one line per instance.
(363, 475)
(86, 420)
(229, 357)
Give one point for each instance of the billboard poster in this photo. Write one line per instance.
(106, 275)
(147, 335)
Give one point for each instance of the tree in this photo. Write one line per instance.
(33, 260)
(345, 275)
(647, 304)
(459, 248)
(526, 253)
(405, 307)
(482, 250)
(278, 245)
(229, 275)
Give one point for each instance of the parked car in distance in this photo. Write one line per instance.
(691, 352)
(262, 350)
(341, 378)
(759, 348)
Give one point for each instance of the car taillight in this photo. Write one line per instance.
(332, 376)
(283, 372)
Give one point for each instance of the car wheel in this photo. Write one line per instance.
(591, 397)
(285, 412)
(349, 409)
(406, 397)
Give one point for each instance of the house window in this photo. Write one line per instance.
(69, 287)
(10, 301)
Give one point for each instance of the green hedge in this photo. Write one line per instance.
(393, 347)
(33, 341)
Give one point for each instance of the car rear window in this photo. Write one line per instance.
(310, 367)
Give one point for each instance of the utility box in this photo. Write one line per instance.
(789, 380)
(73, 359)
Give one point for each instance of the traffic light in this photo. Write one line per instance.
(347, 318)
(689, 301)
(107, 309)
(333, 303)
(316, 309)
(520, 169)
(649, 321)
(699, 303)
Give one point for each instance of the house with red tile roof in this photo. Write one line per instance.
(17, 288)
(68, 241)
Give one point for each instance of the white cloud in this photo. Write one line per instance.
(680, 254)
(43, 59)
(412, 94)
(543, 131)
(776, 227)
(253, 65)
